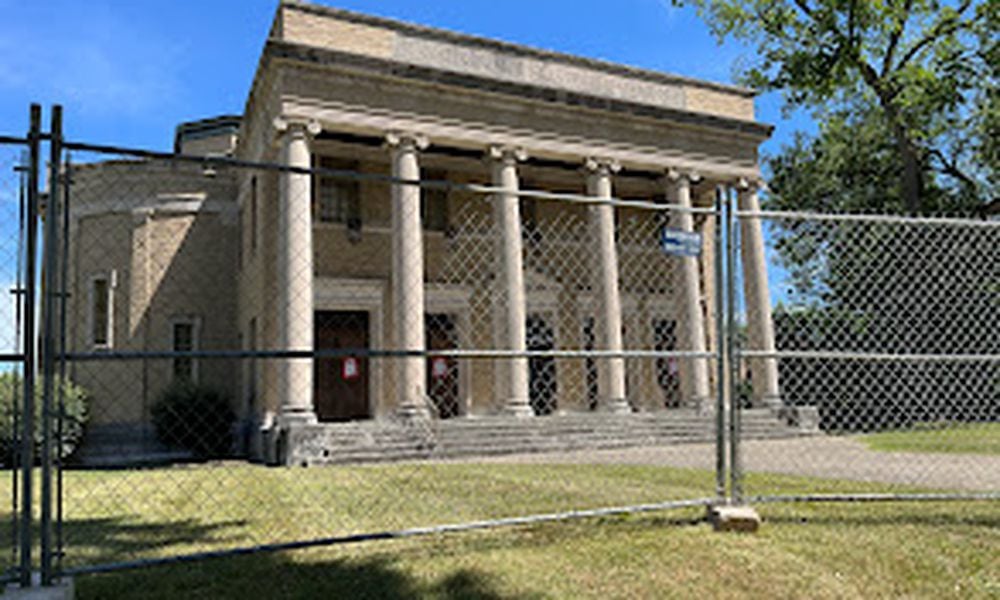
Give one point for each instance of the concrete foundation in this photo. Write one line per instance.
(62, 589)
(734, 518)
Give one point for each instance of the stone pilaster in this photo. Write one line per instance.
(764, 371)
(408, 276)
(687, 295)
(611, 371)
(295, 271)
(507, 217)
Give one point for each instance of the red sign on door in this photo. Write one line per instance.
(350, 370)
(439, 367)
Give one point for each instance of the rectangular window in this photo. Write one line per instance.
(338, 200)
(529, 221)
(185, 339)
(100, 311)
(253, 214)
(434, 203)
(252, 369)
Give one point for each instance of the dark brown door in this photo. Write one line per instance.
(442, 372)
(341, 383)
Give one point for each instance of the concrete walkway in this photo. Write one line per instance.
(816, 456)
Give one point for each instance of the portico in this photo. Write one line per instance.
(554, 123)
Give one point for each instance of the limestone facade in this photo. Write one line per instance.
(256, 259)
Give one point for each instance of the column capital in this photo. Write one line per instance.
(406, 141)
(506, 154)
(601, 166)
(744, 184)
(676, 175)
(296, 126)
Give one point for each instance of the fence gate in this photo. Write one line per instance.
(886, 340)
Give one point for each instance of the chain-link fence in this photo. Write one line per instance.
(13, 185)
(886, 334)
(350, 339)
(437, 353)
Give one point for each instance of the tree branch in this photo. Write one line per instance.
(895, 36)
(951, 168)
(942, 28)
(804, 7)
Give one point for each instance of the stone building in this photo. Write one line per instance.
(174, 257)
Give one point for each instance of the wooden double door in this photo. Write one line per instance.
(342, 384)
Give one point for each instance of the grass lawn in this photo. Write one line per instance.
(860, 550)
(961, 438)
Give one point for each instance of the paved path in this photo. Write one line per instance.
(818, 456)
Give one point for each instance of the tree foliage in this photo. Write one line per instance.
(904, 94)
(915, 80)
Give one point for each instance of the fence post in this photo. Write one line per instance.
(28, 410)
(720, 354)
(733, 353)
(50, 260)
(67, 180)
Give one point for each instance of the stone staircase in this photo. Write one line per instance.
(119, 446)
(386, 441)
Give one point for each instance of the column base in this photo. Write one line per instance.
(518, 408)
(772, 402)
(294, 418)
(414, 412)
(804, 418)
(616, 406)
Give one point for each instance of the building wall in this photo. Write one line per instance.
(166, 235)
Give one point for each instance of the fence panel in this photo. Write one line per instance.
(13, 206)
(888, 328)
(230, 323)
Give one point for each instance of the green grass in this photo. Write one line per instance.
(953, 438)
(933, 550)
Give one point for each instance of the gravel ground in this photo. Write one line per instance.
(817, 456)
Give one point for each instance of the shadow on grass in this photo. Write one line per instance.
(112, 540)
(370, 570)
(279, 576)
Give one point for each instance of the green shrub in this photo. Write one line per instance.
(194, 418)
(75, 401)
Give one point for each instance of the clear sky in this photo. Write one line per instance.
(128, 71)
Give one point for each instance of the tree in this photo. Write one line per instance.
(920, 73)
(905, 96)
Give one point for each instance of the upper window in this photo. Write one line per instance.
(185, 339)
(434, 204)
(100, 310)
(338, 200)
(253, 214)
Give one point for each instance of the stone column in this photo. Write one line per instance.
(408, 276)
(611, 375)
(510, 267)
(687, 296)
(295, 272)
(764, 372)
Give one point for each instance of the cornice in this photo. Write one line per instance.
(294, 52)
(463, 39)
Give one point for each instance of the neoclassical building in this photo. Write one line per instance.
(171, 257)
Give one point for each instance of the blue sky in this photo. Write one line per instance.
(127, 71)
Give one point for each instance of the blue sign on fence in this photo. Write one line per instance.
(680, 243)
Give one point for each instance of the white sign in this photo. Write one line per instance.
(679, 242)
